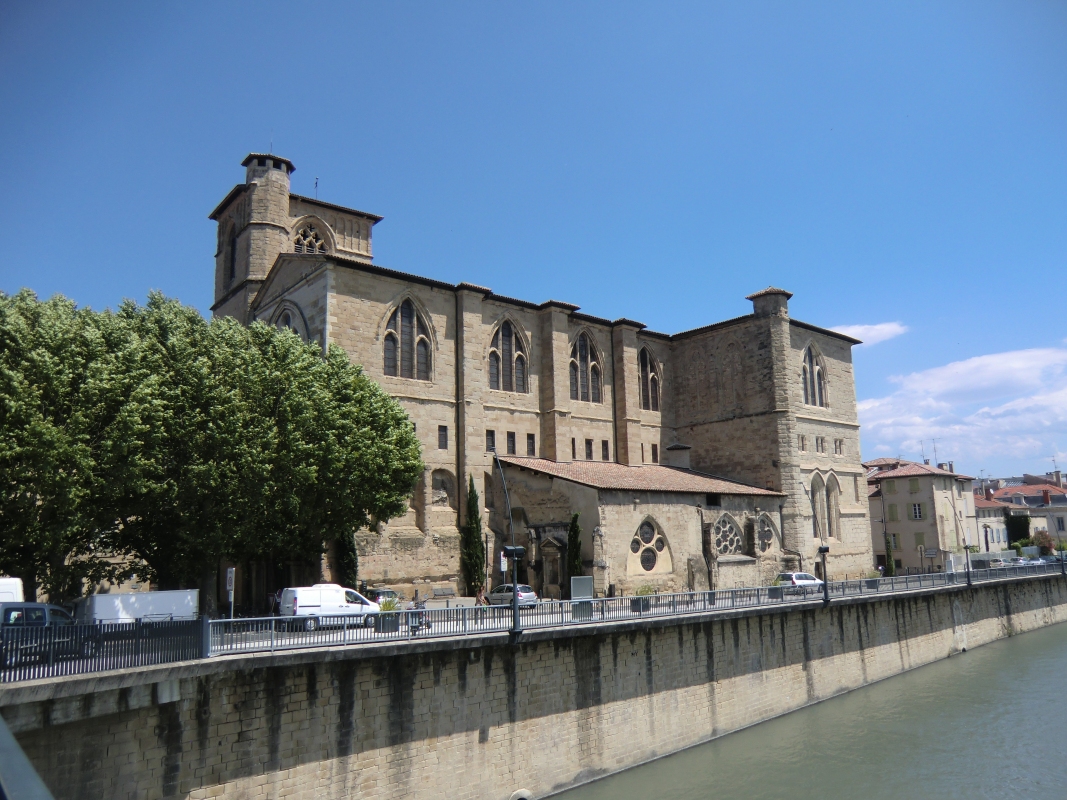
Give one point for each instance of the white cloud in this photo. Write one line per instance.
(872, 334)
(1004, 412)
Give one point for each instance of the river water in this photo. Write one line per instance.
(982, 724)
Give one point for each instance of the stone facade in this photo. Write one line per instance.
(738, 399)
(482, 717)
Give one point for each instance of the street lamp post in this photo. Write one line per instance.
(513, 552)
(825, 576)
(967, 552)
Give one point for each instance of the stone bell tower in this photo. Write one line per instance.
(253, 228)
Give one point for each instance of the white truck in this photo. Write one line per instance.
(326, 604)
(134, 606)
(11, 590)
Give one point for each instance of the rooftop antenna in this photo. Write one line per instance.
(316, 187)
(935, 450)
(922, 450)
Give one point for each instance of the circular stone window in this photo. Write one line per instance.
(648, 542)
(728, 539)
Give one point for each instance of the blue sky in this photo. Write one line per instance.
(898, 165)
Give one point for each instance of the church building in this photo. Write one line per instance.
(714, 457)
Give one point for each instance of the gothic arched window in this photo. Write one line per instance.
(648, 543)
(649, 381)
(308, 240)
(407, 344)
(586, 372)
(813, 376)
(507, 360)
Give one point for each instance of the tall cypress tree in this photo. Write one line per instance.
(890, 565)
(471, 547)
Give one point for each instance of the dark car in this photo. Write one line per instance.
(39, 631)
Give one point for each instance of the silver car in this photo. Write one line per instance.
(501, 595)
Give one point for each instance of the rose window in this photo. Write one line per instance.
(649, 543)
(728, 539)
(766, 534)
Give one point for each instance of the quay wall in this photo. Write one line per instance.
(484, 718)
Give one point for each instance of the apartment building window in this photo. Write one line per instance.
(913, 485)
(605, 453)
(588, 449)
(820, 444)
(890, 487)
(839, 447)
(916, 510)
(891, 512)
(655, 454)
(802, 443)
(511, 443)
(442, 437)
(574, 449)
(490, 441)
(531, 445)
(894, 541)
(959, 489)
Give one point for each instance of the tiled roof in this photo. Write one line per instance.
(770, 290)
(645, 478)
(907, 469)
(1029, 490)
(981, 502)
(873, 490)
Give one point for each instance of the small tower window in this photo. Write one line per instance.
(308, 240)
(813, 376)
(231, 274)
(407, 350)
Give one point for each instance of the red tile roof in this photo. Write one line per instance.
(981, 502)
(905, 469)
(645, 478)
(1030, 490)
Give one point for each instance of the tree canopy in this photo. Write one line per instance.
(154, 434)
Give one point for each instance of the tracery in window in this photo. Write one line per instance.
(813, 376)
(407, 350)
(728, 539)
(585, 371)
(648, 545)
(308, 240)
(507, 360)
(649, 381)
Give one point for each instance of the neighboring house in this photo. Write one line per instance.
(1045, 503)
(991, 524)
(762, 401)
(927, 512)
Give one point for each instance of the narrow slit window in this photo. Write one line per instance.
(442, 437)
(531, 445)
(511, 443)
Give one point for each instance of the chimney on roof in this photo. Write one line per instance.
(951, 467)
(1058, 479)
(926, 461)
(771, 302)
(1046, 497)
(942, 465)
(988, 493)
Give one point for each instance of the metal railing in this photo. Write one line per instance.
(29, 653)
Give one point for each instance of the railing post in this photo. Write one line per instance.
(273, 621)
(205, 636)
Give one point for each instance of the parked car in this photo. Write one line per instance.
(326, 604)
(1018, 561)
(35, 631)
(1037, 560)
(501, 595)
(997, 563)
(377, 595)
(798, 579)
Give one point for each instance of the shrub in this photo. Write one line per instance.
(644, 591)
(1044, 541)
(389, 604)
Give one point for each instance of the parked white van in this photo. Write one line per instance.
(11, 590)
(315, 605)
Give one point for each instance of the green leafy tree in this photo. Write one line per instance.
(574, 548)
(265, 449)
(347, 561)
(74, 419)
(472, 547)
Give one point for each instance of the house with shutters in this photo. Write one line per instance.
(927, 514)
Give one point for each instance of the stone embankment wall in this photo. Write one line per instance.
(482, 718)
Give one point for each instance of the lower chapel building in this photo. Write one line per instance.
(717, 456)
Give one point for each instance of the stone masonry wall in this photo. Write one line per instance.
(481, 718)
